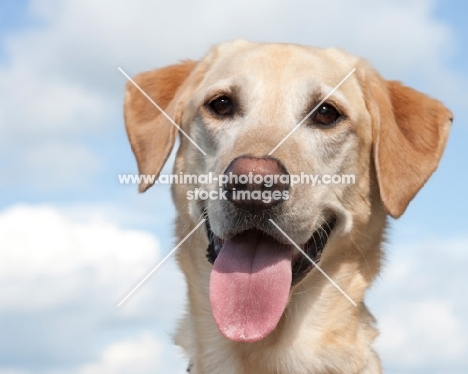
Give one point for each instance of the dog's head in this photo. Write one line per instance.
(360, 153)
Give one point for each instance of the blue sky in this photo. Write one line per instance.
(73, 241)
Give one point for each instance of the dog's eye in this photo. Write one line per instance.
(222, 106)
(326, 115)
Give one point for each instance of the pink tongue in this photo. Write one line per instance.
(249, 286)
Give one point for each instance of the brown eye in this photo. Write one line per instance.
(222, 106)
(325, 115)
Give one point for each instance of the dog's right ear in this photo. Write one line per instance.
(151, 134)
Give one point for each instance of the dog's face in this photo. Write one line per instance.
(248, 102)
(240, 105)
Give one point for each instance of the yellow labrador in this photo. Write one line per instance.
(256, 304)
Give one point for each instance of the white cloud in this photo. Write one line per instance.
(61, 277)
(414, 332)
(61, 82)
(49, 260)
(84, 38)
(420, 311)
(138, 356)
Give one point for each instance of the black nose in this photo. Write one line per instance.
(256, 184)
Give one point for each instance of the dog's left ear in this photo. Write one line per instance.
(151, 134)
(410, 131)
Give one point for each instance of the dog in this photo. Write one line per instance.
(256, 304)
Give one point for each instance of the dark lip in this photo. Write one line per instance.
(301, 266)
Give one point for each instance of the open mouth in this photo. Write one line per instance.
(300, 264)
(252, 277)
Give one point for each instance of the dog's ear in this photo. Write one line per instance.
(410, 131)
(151, 134)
